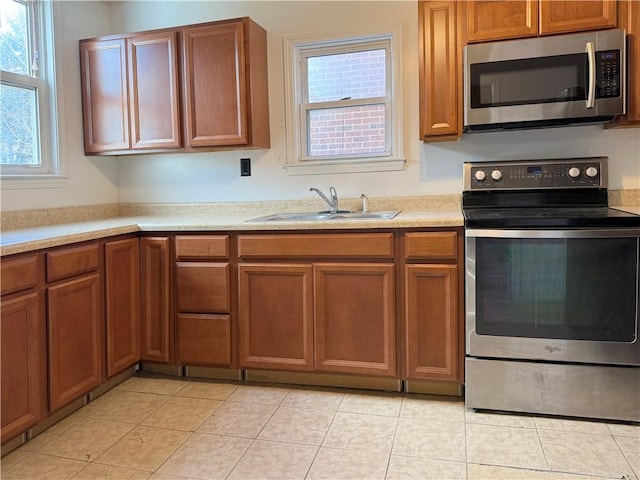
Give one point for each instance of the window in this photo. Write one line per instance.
(27, 89)
(344, 102)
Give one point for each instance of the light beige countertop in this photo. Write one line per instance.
(29, 230)
(35, 238)
(629, 208)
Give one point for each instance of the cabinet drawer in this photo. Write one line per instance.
(355, 245)
(201, 247)
(19, 274)
(204, 339)
(436, 245)
(202, 287)
(72, 261)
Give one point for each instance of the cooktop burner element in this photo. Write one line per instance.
(566, 193)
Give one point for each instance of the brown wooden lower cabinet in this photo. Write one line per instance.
(75, 339)
(355, 318)
(155, 316)
(23, 343)
(276, 316)
(122, 282)
(431, 336)
(203, 339)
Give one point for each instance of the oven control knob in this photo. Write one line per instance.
(574, 172)
(591, 172)
(480, 175)
(496, 175)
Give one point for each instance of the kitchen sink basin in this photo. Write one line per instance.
(322, 216)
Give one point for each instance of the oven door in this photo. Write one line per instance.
(557, 295)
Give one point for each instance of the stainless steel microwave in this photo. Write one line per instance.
(545, 82)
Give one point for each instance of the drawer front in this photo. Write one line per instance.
(72, 261)
(202, 287)
(434, 245)
(204, 339)
(19, 274)
(202, 247)
(355, 245)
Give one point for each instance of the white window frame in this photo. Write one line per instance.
(296, 49)
(48, 105)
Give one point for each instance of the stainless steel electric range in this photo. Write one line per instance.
(552, 288)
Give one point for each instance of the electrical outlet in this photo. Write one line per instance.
(245, 167)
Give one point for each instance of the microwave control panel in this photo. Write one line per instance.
(608, 74)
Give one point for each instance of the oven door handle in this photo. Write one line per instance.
(591, 93)
(585, 233)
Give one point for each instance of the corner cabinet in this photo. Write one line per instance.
(135, 101)
(130, 93)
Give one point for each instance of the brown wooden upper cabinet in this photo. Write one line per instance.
(224, 76)
(445, 27)
(141, 113)
(142, 93)
(440, 50)
(489, 20)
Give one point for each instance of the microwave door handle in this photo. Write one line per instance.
(592, 75)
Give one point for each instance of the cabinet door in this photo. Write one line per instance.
(431, 331)
(153, 90)
(203, 287)
(439, 67)
(276, 315)
(75, 339)
(22, 335)
(215, 90)
(576, 16)
(203, 339)
(500, 20)
(122, 275)
(355, 318)
(155, 311)
(105, 101)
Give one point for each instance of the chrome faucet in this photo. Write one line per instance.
(333, 202)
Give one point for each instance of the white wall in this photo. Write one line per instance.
(431, 169)
(208, 177)
(91, 180)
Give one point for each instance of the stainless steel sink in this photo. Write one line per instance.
(322, 216)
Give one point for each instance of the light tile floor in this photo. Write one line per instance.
(177, 429)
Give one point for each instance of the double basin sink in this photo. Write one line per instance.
(326, 215)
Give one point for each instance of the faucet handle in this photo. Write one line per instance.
(365, 203)
(334, 195)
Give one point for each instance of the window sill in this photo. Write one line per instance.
(317, 168)
(14, 182)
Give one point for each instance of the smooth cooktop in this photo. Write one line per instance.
(541, 217)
